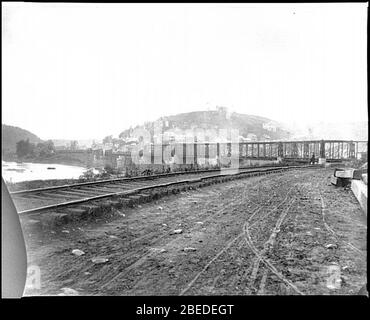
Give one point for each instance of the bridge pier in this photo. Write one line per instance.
(280, 150)
(322, 158)
(352, 150)
(206, 155)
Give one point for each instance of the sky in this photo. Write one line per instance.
(85, 71)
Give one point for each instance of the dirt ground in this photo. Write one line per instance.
(279, 234)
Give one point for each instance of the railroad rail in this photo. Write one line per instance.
(53, 198)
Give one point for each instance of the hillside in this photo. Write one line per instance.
(11, 135)
(248, 125)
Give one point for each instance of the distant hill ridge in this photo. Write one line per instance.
(11, 135)
(261, 127)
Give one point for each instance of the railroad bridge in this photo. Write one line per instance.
(211, 153)
(303, 150)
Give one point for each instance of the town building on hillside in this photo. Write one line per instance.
(270, 126)
(97, 146)
(221, 110)
(251, 137)
(107, 146)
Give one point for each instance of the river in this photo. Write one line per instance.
(25, 171)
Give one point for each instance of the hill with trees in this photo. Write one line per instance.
(22, 145)
(248, 125)
(11, 135)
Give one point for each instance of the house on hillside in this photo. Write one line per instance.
(251, 137)
(243, 139)
(270, 126)
(108, 146)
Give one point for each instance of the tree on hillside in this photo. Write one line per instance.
(24, 148)
(44, 149)
(126, 134)
(50, 145)
(108, 139)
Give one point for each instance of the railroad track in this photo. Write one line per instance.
(39, 200)
(156, 237)
(240, 238)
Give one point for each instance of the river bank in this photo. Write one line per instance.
(62, 159)
(45, 174)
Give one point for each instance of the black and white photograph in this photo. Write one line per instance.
(183, 149)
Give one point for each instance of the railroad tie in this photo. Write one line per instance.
(75, 213)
